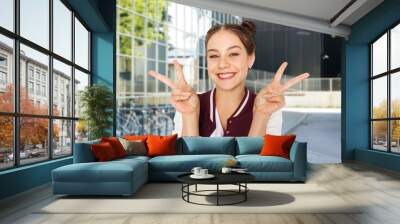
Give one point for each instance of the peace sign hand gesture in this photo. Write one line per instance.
(183, 97)
(271, 98)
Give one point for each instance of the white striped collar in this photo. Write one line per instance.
(243, 103)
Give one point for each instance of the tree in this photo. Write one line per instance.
(380, 127)
(33, 130)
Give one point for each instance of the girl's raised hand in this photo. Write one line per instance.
(183, 97)
(271, 97)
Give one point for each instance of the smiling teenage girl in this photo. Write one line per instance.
(229, 109)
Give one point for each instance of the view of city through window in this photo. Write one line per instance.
(385, 80)
(151, 34)
(47, 91)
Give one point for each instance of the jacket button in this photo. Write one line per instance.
(227, 132)
(230, 122)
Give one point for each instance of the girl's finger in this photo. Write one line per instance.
(179, 72)
(163, 79)
(180, 92)
(181, 95)
(180, 98)
(295, 80)
(279, 73)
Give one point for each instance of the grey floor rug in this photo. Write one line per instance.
(166, 198)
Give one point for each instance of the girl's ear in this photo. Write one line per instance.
(252, 58)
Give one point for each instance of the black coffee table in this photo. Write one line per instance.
(238, 179)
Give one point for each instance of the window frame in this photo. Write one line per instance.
(16, 115)
(388, 74)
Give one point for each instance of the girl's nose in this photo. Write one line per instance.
(223, 63)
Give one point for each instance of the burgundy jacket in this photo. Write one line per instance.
(238, 123)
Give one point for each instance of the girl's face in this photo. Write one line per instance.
(227, 60)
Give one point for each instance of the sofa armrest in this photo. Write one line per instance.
(298, 155)
(83, 152)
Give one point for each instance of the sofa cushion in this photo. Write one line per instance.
(185, 163)
(257, 163)
(249, 145)
(112, 171)
(206, 145)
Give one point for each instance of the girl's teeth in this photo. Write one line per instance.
(225, 75)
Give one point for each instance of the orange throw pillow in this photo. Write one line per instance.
(103, 151)
(161, 145)
(116, 145)
(136, 137)
(275, 145)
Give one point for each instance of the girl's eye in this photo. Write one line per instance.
(213, 56)
(234, 54)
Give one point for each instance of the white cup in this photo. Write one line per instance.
(196, 170)
(226, 170)
(203, 172)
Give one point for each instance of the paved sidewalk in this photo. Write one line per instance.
(320, 128)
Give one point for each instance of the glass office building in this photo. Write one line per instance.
(150, 35)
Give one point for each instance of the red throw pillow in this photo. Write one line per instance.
(103, 151)
(116, 145)
(275, 145)
(161, 145)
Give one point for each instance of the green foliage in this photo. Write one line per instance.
(133, 24)
(97, 104)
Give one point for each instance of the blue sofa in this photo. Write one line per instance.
(125, 176)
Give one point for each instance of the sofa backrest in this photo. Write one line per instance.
(249, 145)
(206, 145)
(83, 152)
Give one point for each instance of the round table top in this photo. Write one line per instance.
(220, 178)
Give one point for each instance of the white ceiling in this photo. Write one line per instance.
(314, 15)
(320, 9)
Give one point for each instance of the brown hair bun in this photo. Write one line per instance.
(250, 26)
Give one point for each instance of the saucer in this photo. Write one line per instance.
(208, 176)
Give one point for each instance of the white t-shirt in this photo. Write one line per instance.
(274, 125)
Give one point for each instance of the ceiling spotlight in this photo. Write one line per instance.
(303, 33)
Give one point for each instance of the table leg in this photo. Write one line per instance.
(217, 194)
(196, 188)
(245, 193)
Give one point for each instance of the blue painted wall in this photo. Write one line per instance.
(24, 178)
(99, 16)
(355, 131)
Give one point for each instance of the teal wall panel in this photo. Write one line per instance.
(355, 133)
(24, 178)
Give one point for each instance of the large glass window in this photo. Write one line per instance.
(150, 35)
(62, 29)
(6, 142)
(46, 76)
(40, 62)
(6, 74)
(35, 21)
(7, 14)
(62, 89)
(81, 45)
(385, 95)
